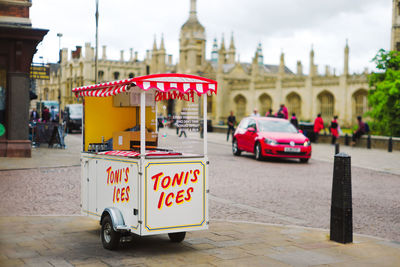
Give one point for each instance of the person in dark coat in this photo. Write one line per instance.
(231, 125)
(46, 114)
(360, 130)
(294, 121)
(334, 128)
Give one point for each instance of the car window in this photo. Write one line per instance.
(252, 124)
(243, 124)
(282, 126)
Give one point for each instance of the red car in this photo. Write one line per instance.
(270, 137)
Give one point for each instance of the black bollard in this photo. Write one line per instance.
(337, 149)
(346, 140)
(390, 145)
(369, 142)
(341, 229)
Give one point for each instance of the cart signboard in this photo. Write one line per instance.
(175, 196)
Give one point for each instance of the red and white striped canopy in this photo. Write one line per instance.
(161, 82)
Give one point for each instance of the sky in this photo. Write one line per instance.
(288, 26)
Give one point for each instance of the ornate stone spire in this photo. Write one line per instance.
(162, 47)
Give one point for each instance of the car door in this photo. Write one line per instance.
(239, 134)
(250, 136)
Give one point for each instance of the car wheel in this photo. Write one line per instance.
(109, 237)
(177, 237)
(235, 149)
(304, 160)
(257, 152)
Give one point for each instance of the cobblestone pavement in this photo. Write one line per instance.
(275, 191)
(242, 189)
(74, 241)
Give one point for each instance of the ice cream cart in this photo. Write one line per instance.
(134, 181)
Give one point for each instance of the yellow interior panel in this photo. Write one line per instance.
(102, 119)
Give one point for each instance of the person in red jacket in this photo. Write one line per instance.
(334, 128)
(318, 126)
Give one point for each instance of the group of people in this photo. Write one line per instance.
(48, 115)
(283, 113)
(334, 129)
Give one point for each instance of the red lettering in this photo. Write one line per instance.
(156, 180)
(160, 201)
(123, 194)
(177, 179)
(166, 184)
(179, 197)
(117, 196)
(127, 193)
(126, 174)
(188, 191)
(114, 195)
(116, 176)
(112, 177)
(108, 174)
(186, 177)
(196, 172)
(167, 202)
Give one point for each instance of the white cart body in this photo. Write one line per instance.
(144, 193)
(162, 196)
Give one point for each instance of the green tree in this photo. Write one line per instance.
(384, 93)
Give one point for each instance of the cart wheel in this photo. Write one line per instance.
(109, 237)
(235, 149)
(177, 237)
(257, 152)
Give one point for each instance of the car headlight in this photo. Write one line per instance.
(307, 143)
(270, 142)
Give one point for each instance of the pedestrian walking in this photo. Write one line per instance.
(46, 114)
(318, 126)
(294, 121)
(334, 129)
(231, 125)
(34, 115)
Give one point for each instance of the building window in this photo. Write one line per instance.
(240, 103)
(100, 75)
(131, 75)
(326, 105)
(293, 101)
(265, 104)
(116, 75)
(360, 103)
(209, 104)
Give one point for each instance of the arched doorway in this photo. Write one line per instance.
(265, 103)
(240, 106)
(293, 103)
(326, 105)
(359, 103)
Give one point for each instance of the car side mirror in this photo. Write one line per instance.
(300, 131)
(251, 129)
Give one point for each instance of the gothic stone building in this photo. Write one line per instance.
(241, 86)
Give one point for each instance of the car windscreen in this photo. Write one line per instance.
(75, 111)
(281, 126)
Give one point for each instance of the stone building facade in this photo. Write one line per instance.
(241, 86)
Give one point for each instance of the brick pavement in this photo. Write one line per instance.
(75, 241)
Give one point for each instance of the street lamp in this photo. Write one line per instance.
(59, 35)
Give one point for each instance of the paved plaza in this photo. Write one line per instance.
(59, 240)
